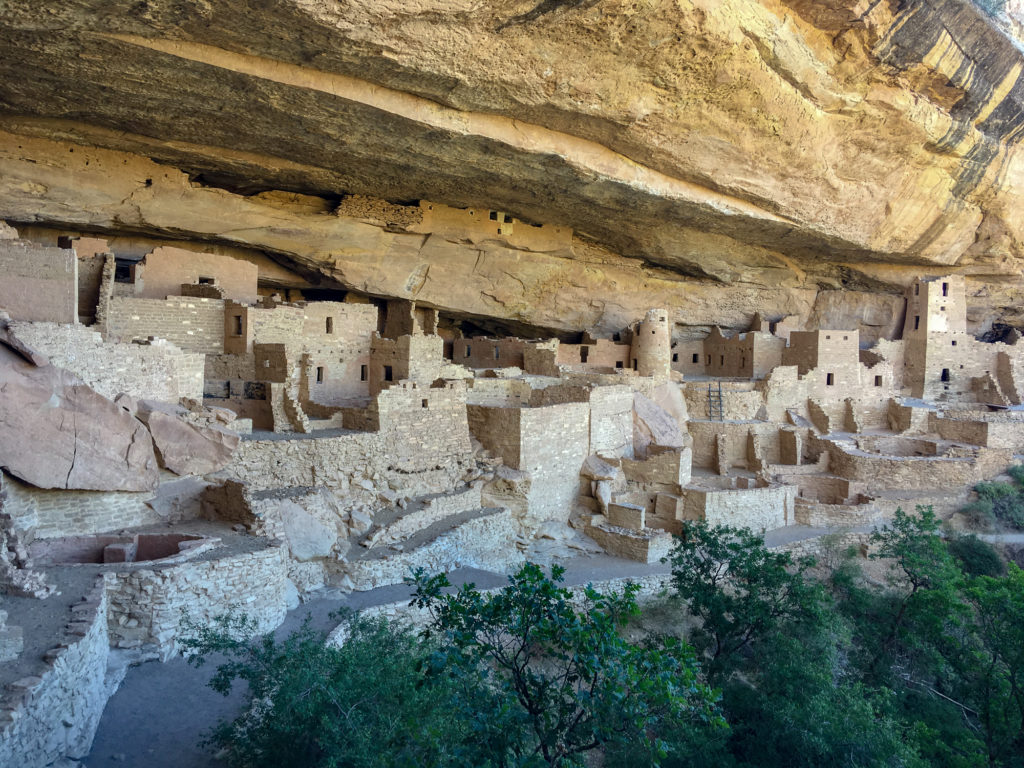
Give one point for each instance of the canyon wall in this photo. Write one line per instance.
(718, 157)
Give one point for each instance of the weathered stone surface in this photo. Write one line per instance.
(183, 447)
(56, 432)
(763, 149)
(654, 427)
(597, 468)
(308, 538)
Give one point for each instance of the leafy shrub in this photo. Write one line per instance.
(1007, 500)
(975, 557)
(543, 677)
(310, 705)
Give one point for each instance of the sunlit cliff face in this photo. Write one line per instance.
(719, 158)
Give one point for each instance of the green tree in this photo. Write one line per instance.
(310, 704)
(560, 678)
(924, 579)
(993, 670)
(738, 588)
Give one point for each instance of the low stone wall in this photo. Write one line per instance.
(146, 605)
(48, 513)
(54, 715)
(486, 542)
(821, 515)
(646, 546)
(761, 509)
(915, 472)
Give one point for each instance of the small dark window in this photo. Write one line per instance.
(945, 374)
(696, 358)
(954, 343)
(917, 322)
(584, 353)
(423, 403)
(238, 324)
(721, 360)
(942, 309)
(618, 363)
(708, 361)
(362, 373)
(469, 350)
(388, 374)
(828, 337)
(319, 374)
(508, 219)
(945, 289)
(330, 325)
(617, 337)
(878, 381)
(830, 379)
(675, 357)
(497, 353)
(743, 362)
(494, 215)
(206, 281)
(917, 289)
(634, 363)
(846, 338)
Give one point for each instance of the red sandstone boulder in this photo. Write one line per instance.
(183, 447)
(58, 432)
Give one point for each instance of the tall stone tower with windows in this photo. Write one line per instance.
(652, 345)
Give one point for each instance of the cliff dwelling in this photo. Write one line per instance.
(287, 315)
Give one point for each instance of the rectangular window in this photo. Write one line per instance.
(362, 373)
(830, 379)
(954, 343)
(494, 215)
(319, 374)
(945, 289)
(508, 219)
(708, 360)
(878, 381)
(696, 358)
(917, 322)
(423, 403)
(584, 354)
(618, 363)
(942, 309)
(743, 362)
(388, 374)
(469, 350)
(206, 281)
(237, 319)
(330, 325)
(497, 353)
(634, 363)
(675, 357)
(721, 360)
(917, 289)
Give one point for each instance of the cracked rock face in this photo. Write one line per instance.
(57, 432)
(716, 156)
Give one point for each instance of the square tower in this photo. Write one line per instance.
(936, 305)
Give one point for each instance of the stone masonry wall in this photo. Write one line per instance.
(38, 283)
(51, 513)
(55, 715)
(555, 441)
(147, 604)
(158, 371)
(192, 324)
